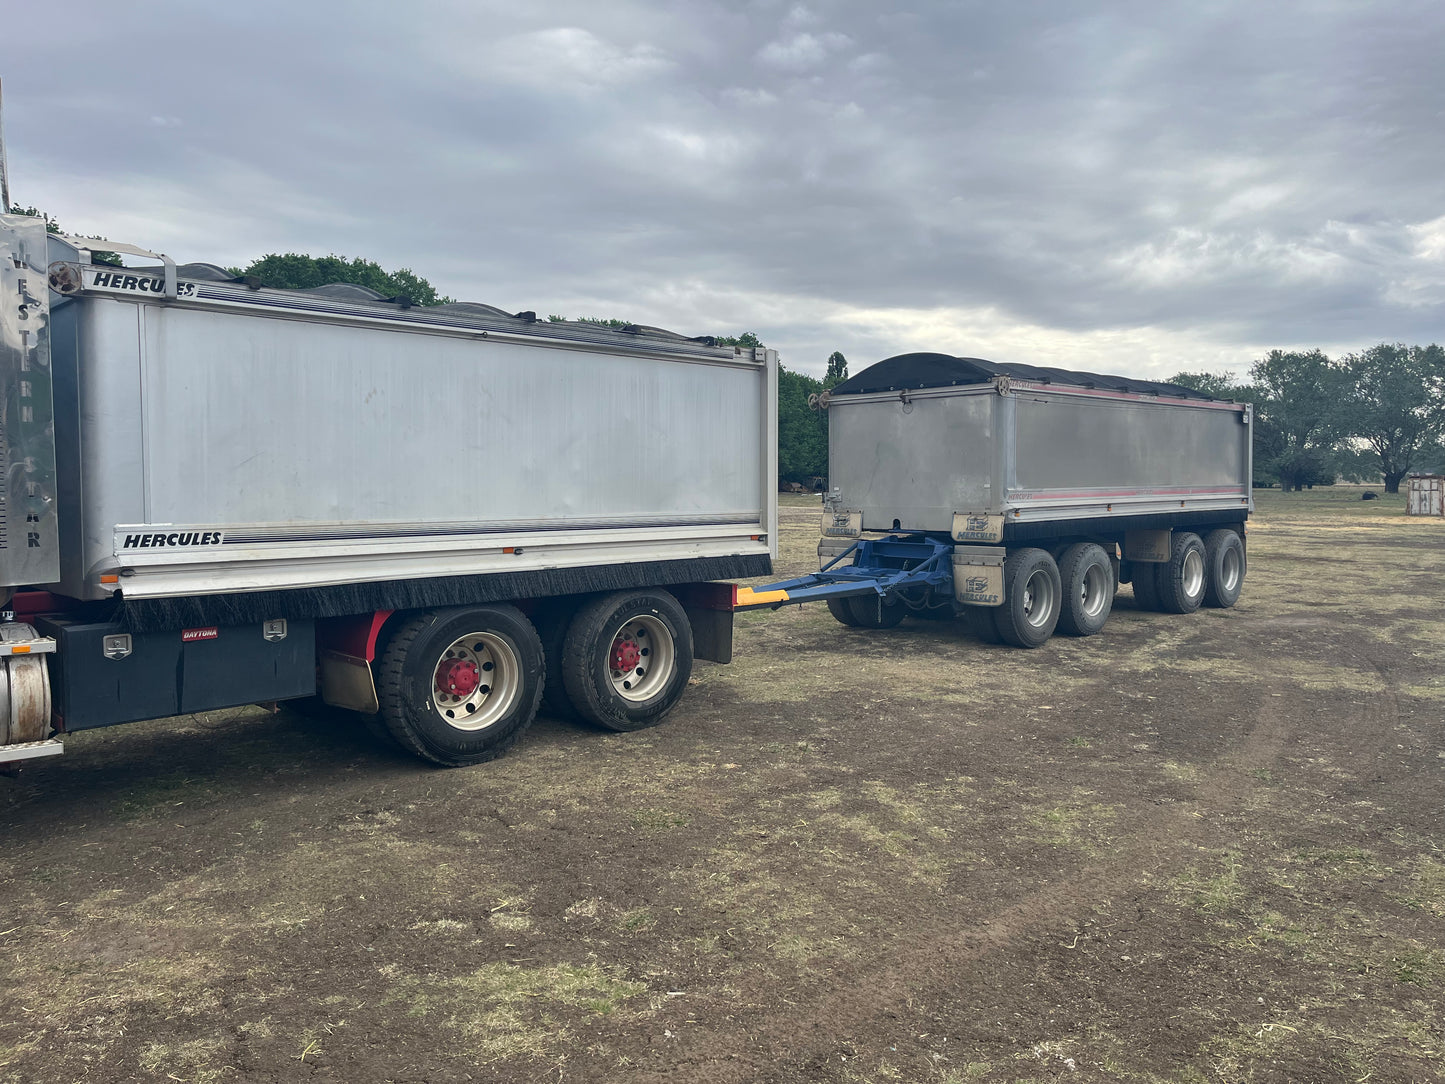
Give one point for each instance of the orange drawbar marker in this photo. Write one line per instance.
(748, 597)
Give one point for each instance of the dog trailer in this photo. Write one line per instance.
(1021, 497)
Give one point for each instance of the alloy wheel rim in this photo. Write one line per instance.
(1038, 600)
(476, 680)
(641, 658)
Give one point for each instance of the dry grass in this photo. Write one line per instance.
(1206, 830)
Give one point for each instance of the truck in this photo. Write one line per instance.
(1020, 497)
(215, 493)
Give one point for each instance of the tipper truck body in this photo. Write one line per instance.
(1021, 497)
(216, 493)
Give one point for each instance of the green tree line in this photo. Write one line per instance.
(293, 271)
(1378, 413)
(802, 429)
(111, 259)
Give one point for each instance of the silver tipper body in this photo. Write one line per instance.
(968, 459)
(210, 437)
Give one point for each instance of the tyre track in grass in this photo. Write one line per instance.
(866, 996)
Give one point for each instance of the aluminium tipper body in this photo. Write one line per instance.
(918, 439)
(211, 437)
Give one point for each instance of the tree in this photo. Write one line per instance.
(294, 271)
(110, 259)
(1217, 385)
(1432, 458)
(1304, 395)
(1396, 404)
(747, 340)
(802, 431)
(601, 321)
(837, 370)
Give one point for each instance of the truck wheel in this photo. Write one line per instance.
(459, 686)
(841, 611)
(552, 618)
(1087, 577)
(627, 658)
(1180, 581)
(873, 612)
(1032, 594)
(1223, 568)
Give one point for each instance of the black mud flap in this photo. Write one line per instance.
(709, 609)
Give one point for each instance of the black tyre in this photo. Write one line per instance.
(934, 613)
(1032, 596)
(1146, 594)
(1087, 578)
(873, 612)
(1223, 568)
(842, 612)
(626, 659)
(459, 686)
(979, 620)
(1180, 581)
(552, 618)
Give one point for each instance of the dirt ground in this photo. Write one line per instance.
(1190, 849)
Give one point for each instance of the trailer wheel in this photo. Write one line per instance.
(842, 612)
(875, 612)
(459, 686)
(1087, 576)
(934, 613)
(1146, 594)
(1223, 567)
(627, 658)
(1032, 594)
(979, 620)
(1180, 581)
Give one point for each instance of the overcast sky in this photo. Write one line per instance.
(1128, 187)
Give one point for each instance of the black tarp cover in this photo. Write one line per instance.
(914, 372)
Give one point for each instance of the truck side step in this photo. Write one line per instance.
(29, 750)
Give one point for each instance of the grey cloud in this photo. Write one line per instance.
(799, 52)
(1229, 174)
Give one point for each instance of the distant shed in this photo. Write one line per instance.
(1425, 495)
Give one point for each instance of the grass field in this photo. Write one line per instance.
(1190, 849)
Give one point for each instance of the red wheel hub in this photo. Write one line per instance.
(625, 654)
(458, 677)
